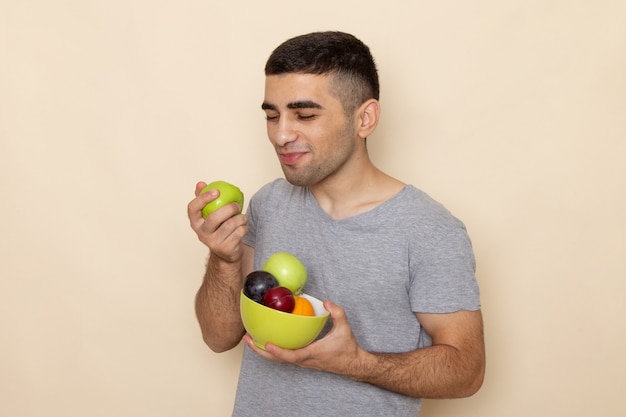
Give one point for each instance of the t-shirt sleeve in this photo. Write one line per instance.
(253, 214)
(443, 270)
(257, 204)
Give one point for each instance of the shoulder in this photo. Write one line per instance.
(427, 217)
(423, 205)
(273, 189)
(276, 195)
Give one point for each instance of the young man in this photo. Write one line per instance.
(396, 268)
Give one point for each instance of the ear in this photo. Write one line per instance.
(367, 117)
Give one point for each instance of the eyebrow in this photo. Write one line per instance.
(304, 104)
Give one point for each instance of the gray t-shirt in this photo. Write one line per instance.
(406, 255)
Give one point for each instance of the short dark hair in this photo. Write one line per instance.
(334, 53)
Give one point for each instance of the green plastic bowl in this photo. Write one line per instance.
(286, 330)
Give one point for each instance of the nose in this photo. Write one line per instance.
(285, 132)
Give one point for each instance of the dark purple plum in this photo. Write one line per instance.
(257, 283)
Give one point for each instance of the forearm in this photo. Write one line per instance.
(217, 305)
(439, 371)
(452, 367)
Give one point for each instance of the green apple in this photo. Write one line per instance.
(288, 270)
(228, 194)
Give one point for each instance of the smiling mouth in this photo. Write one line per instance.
(290, 158)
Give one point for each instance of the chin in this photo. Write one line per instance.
(304, 178)
(297, 180)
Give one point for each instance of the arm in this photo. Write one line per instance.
(217, 303)
(217, 300)
(452, 367)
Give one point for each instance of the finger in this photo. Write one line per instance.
(199, 186)
(225, 239)
(275, 353)
(250, 342)
(232, 247)
(228, 216)
(195, 206)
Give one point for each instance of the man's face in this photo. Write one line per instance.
(308, 127)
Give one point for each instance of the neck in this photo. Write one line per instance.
(349, 195)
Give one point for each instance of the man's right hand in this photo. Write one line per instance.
(223, 230)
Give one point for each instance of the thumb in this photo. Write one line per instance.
(337, 313)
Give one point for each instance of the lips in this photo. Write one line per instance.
(290, 158)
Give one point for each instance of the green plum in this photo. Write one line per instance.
(229, 193)
(288, 270)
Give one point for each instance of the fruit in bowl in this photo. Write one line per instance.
(289, 271)
(286, 330)
(257, 284)
(275, 310)
(280, 298)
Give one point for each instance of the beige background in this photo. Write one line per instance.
(510, 113)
